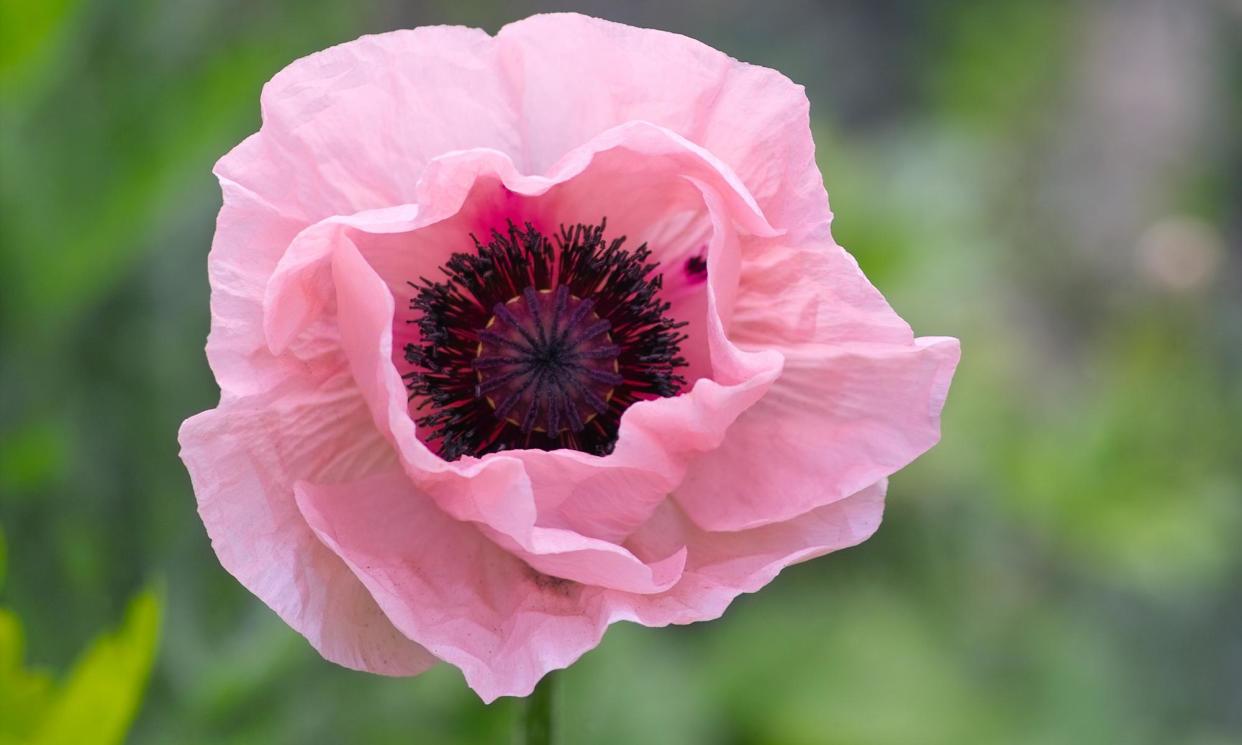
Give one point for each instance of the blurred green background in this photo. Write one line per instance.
(1057, 184)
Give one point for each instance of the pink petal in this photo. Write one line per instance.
(441, 582)
(505, 625)
(723, 565)
(814, 292)
(301, 284)
(601, 74)
(840, 417)
(251, 234)
(351, 128)
(243, 458)
(859, 397)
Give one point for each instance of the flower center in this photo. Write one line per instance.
(547, 362)
(531, 343)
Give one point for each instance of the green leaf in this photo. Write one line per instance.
(98, 700)
(24, 693)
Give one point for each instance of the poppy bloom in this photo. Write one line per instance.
(519, 336)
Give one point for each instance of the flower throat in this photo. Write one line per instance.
(538, 343)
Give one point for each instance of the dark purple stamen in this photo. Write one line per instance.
(696, 268)
(528, 344)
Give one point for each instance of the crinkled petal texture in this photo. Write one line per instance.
(375, 162)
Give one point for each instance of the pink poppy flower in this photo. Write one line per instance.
(519, 336)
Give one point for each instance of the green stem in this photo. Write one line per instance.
(538, 712)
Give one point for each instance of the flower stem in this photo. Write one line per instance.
(537, 714)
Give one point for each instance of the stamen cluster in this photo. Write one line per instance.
(538, 343)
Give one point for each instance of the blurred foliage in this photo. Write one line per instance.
(97, 700)
(26, 31)
(1063, 568)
